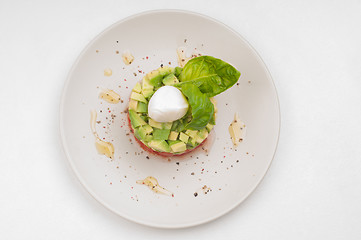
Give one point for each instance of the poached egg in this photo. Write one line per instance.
(167, 104)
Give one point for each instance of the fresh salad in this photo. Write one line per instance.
(172, 110)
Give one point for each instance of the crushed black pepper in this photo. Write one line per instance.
(195, 194)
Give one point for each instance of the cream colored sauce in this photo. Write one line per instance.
(152, 183)
(128, 58)
(103, 147)
(237, 130)
(108, 72)
(110, 96)
(182, 58)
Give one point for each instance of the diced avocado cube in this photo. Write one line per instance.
(135, 119)
(144, 117)
(140, 133)
(179, 147)
(171, 142)
(155, 78)
(148, 138)
(142, 107)
(137, 88)
(146, 84)
(133, 104)
(148, 129)
(203, 133)
(155, 124)
(170, 79)
(173, 135)
(138, 97)
(209, 127)
(183, 137)
(159, 145)
(192, 141)
(147, 93)
(161, 134)
(167, 125)
(192, 133)
(165, 70)
(136, 134)
(199, 139)
(177, 71)
(174, 125)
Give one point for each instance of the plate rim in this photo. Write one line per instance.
(83, 182)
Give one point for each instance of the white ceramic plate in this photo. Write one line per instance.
(153, 38)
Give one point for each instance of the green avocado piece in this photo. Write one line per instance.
(172, 142)
(192, 133)
(203, 133)
(159, 145)
(148, 129)
(179, 125)
(138, 97)
(173, 135)
(179, 147)
(161, 134)
(135, 119)
(167, 125)
(192, 142)
(133, 104)
(170, 79)
(165, 70)
(146, 84)
(155, 78)
(209, 127)
(174, 125)
(177, 71)
(155, 124)
(142, 107)
(183, 137)
(140, 133)
(137, 88)
(148, 138)
(147, 93)
(144, 117)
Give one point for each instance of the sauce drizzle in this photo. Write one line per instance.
(110, 96)
(128, 58)
(152, 183)
(108, 72)
(237, 130)
(105, 148)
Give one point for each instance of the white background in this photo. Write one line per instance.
(313, 188)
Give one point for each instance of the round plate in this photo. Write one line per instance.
(208, 182)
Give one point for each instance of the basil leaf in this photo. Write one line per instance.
(202, 108)
(211, 75)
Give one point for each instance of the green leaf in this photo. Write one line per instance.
(202, 107)
(211, 75)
